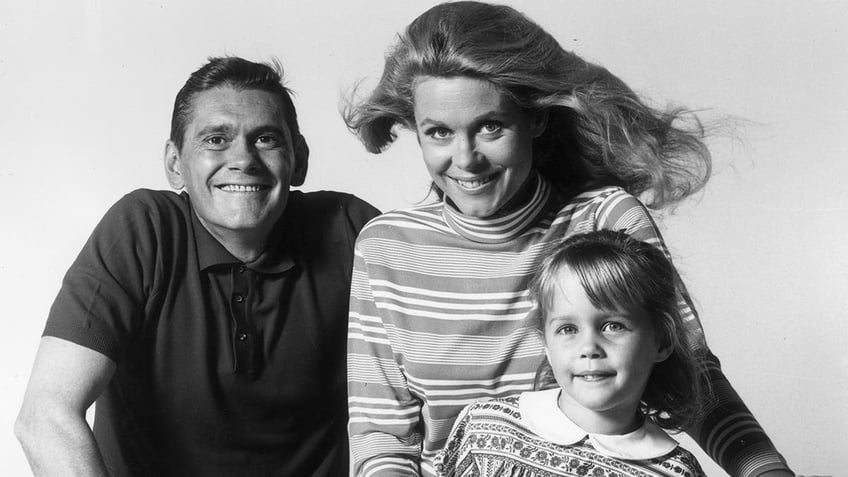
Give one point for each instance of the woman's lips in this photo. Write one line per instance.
(476, 183)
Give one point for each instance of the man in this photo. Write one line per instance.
(209, 326)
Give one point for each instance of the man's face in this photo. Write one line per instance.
(237, 162)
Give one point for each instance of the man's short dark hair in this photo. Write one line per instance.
(237, 73)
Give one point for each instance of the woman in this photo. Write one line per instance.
(527, 144)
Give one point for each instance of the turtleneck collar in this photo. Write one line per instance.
(504, 228)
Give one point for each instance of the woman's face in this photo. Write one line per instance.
(477, 143)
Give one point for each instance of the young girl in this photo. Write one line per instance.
(526, 144)
(606, 308)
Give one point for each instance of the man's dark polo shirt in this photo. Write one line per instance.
(223, 368)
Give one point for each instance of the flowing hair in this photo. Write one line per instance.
(599, 132)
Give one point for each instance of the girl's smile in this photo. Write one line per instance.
(601, 359)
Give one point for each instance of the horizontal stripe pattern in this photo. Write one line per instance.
(438, 319)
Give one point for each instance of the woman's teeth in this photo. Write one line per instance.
(475, 184)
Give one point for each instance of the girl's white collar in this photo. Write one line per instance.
(542, 415)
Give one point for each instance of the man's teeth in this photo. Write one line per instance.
(240, 188)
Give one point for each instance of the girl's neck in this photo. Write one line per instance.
(617, 421)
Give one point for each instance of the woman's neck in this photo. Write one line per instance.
(521, 198)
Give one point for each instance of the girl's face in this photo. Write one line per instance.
(477, 144)
(601, 358)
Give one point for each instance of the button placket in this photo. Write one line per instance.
(238, 304)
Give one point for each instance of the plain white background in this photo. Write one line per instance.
(86, 96)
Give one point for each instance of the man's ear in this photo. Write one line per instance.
(172, 166)
(301, 161)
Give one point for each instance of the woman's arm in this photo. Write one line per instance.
(66, 379)
(385, 430)
(728, 431)
(449, 458)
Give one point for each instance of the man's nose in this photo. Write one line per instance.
(243, 156)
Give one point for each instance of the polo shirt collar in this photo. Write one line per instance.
(542, 415)
(276, 258)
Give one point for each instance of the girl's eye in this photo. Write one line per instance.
(614, 326)
(566, 330)
(491, 127)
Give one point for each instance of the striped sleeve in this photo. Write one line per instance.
(385, 436)
(447, 462)
(728, 431)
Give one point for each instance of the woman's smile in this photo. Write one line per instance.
(476, 143)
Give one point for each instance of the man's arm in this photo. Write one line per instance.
(66, 379)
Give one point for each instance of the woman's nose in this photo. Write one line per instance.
(466, 156)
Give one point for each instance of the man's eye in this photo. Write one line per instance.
(215, 140)
(267, 141)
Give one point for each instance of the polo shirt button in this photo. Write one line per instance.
(241, 269)
(242, 336)
(239, 298)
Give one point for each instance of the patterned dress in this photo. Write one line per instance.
(527, 436)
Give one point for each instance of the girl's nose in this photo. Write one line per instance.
(590, 348)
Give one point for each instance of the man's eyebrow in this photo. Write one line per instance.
(214, 128)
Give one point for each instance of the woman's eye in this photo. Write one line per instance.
(491, 127)
(438, 133)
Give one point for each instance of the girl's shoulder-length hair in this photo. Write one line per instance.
(619, 272)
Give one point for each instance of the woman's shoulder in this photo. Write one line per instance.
(597, 196)
(400, 222)
(603, 207)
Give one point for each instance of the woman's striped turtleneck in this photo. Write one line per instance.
(504, 228)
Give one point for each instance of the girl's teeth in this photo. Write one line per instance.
(592, 377)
